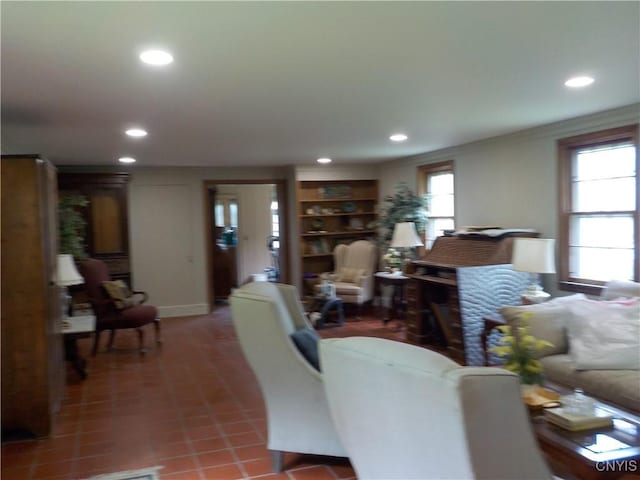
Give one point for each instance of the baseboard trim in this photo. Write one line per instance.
(183, 310)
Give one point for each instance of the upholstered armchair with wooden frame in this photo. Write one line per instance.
(111, 314)
(354, 267)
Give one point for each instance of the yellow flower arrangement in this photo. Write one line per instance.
(392, 259)
(517, 347)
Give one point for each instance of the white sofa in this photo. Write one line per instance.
(549, 321)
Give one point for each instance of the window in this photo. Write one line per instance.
(599, 219)
(436, 181)
(275, 224)
(226, 211)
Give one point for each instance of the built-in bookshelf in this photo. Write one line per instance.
(330, 213)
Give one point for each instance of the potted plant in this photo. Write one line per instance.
(71, 225)
(404, 206)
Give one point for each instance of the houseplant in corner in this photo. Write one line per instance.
(404, 206)
(71, 225)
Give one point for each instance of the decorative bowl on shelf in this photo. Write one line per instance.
(348, 207)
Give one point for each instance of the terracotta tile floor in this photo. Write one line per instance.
(192, 406)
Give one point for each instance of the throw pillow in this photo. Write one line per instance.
(547, 322)
(119, 292)
(350, 275)
(605, 335)
(306, 340)
(620, 288)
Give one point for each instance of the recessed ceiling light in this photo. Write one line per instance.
(398, 137)
(127, 160)
(136, 132)
(156, 57)
(577, 82)
(324, 160)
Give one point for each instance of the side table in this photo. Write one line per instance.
(72, 328)
(398, 303)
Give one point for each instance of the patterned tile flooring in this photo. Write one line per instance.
(192, 405)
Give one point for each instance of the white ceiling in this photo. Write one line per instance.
(283, 83)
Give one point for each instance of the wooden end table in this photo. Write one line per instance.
(398, 302)
(596, 454)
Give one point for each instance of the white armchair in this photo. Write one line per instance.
(354, 266)
(404, 412)
(298, 419)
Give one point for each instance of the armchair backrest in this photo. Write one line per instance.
(404, 412)
(264, 315)
(94, 272)
(359, 254)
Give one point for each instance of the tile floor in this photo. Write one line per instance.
(192, 406)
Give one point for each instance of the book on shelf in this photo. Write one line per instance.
(569, 420)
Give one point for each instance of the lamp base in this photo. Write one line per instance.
(534, 294)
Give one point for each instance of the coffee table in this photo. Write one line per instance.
(603, 453)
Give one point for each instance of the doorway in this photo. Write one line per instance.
(246, 225)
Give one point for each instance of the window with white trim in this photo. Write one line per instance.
(436, 181)
(598, 208)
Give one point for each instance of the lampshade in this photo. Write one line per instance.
(67, 273)
(405, 235)
(534, 255)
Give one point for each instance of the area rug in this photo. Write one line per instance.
(150, 473)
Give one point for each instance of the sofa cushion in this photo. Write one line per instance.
(605, 335)
(621, 387)
(547, 321)
(119, 292)
(350, 275)
(620, 288)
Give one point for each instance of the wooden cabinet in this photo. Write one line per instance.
(107, 234)
(333, 212)
(32, 353)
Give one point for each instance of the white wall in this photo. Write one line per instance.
(510, 181)
(166, 233)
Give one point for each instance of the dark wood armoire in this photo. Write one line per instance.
(106, 217)
(31, 309)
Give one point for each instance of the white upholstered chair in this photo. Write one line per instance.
(354, 266)
(298, 419)
(404, 412)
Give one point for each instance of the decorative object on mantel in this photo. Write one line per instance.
(535, 256)
(518, 348)
(404, 206)
(66, 275)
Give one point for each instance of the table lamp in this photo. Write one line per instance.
(66, 275)
(405, 237)
(535, 256)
